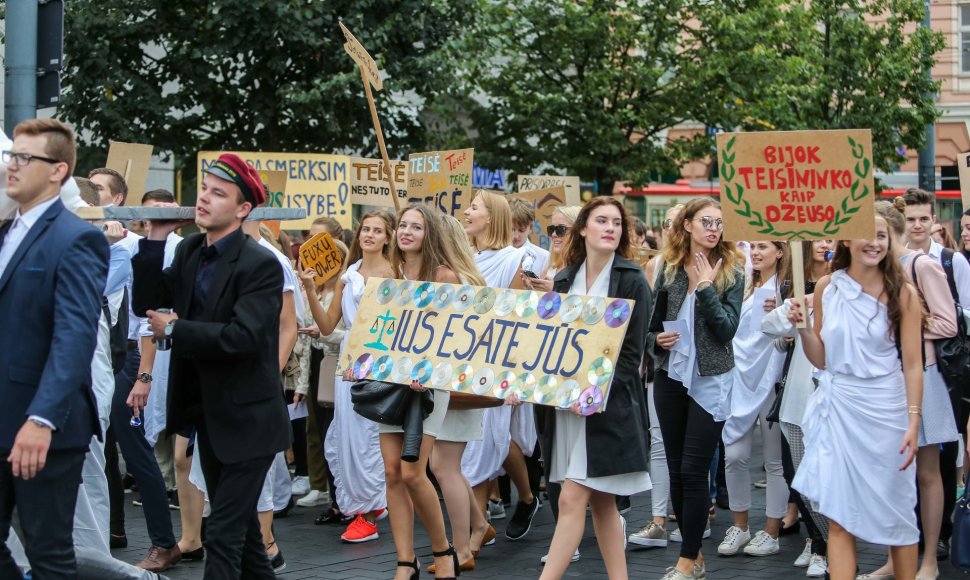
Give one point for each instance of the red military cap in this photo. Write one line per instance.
(231, 167)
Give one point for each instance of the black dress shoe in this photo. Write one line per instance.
(943, 550)
(196, 555)
(118, 541)
(285, 511)
(330, 517)
(792, 529)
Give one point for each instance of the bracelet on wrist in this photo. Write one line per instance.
(915, 410)
(702, 282)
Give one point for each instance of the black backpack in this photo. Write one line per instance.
(952, 354)
(119, 332)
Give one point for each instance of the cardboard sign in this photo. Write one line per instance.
(797, 185)
(550, 349)
(544, 202)
(963, 164)
(643, 255)
(319, 184)
(275, 182)
(442, 179)
(367, 65)
(320, 253)
(131, 160)
(368, 182)
(571, 183)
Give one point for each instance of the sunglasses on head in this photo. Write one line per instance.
(557, 230)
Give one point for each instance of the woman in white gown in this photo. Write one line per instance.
(488, 224)
(757, 367)
(862, 423)
(351, 446)
(583, 445)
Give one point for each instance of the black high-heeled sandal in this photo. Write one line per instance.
(454, 558)
(417, 571)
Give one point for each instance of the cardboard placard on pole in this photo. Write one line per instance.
(569, 182)
(368, 67)
(132, 161)
(797, 185)
(963, 165)
(798, 279)
(550, 349)
(442, 179)
(321, 254)
(544, 202)
(368, 182)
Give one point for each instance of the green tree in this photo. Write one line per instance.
(593, 87)
(267, 75)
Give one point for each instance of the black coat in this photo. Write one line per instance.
(224, 366)
(616, 440)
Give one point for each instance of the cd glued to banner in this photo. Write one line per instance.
(617, 312)
(464, 298)
(363, 365)
(546, 390)
(590, 400)
(600, 372)
(385, 292)
(503, 384)
(446, 292)
(483, 380)
(383, 367)
(549, 305)
(441, 375)
(571, 308)
(422, 372)
(567, 394)
(526, 304)
(505, 302)
(402, 371)
(525, 386)
(461, 380)
(404, 293)
(594, 309)
(423, 294)
(484, 300)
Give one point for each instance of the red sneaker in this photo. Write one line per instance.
(381, 514)
(359, 530)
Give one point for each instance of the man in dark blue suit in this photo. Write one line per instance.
(53, 269)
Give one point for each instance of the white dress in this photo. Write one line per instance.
(569, 441)
(855, 422)
(352, 446)
(757, 367)
(483, 459)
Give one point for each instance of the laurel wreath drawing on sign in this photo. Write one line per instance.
(849, 205)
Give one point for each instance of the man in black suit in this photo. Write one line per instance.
(53, 270)
(224, 378)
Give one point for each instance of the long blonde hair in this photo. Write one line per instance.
(458, 252)
(432, 246)
(499, 232)
(782, 271)
(677, 247)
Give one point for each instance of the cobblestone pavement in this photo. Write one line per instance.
(316, 551)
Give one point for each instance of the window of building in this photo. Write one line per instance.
(965, 38)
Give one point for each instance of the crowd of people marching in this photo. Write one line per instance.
(196, 345)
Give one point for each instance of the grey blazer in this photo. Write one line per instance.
(716, 320)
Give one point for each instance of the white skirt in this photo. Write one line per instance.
(937, 424)
(482, 460)
(569, 460)
(853, 428)
(462, 426)
(353, 451)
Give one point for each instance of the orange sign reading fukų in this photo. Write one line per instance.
(321, 254)
(797, 185)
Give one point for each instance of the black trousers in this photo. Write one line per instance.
(140, 462)
(819, 546)
(690, 438)
(324, 419)
(233, 544)
(46, 506)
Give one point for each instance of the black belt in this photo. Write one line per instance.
(132, 344)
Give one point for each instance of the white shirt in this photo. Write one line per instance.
(18, 231)
(961, 274)
(534, 258)
(290, 282)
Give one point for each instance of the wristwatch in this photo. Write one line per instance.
(169, 328)
(145, 377)
(38, 423)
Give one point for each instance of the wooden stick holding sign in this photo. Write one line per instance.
(369, 73)
(321, 254)
(797, 185)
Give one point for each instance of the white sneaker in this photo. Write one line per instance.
(805, 558)
(301, 485)
(575, 558)
(496, 510)
(762, 545)
(734, 541)
(314, 498)
(651, 536)
(676, 537)
(817, 567)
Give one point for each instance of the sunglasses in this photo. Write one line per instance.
(716, 224)
(559, 230)
(666, 224)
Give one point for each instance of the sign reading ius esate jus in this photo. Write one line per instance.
(551, 349)
(797, 185)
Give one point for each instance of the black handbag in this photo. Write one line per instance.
(775, 411)
(386, 403)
